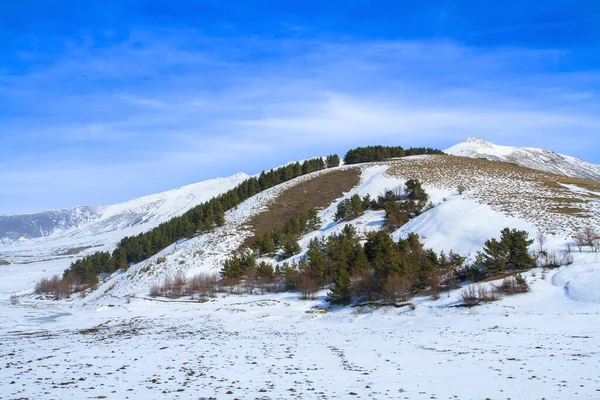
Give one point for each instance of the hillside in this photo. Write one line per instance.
(543, 160)
(497, 195)
(119, 342)
(71, 230)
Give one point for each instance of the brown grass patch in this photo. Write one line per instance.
(573, 211)
(319, 191)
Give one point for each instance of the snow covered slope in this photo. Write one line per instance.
(495, 198)
(543, 160)
(104, 226)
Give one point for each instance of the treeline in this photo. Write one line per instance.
(381, 153)
(204, 217)
(286, 238)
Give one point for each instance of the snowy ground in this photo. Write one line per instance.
(537, 345)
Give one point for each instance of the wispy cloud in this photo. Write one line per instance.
(161, 110)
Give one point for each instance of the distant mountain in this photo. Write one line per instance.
(45, 223)
(540, 159)
(88, 221)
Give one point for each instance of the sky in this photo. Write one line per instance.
(102, 102)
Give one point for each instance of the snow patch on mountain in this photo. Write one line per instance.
(540, 159)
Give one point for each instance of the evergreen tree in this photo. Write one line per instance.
(415, 191)
(290, 246)
(332, 160)
(340, 292)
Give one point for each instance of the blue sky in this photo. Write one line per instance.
(101, 102)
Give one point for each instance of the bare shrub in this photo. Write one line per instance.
(396, 288)
(461, 188)
(155, 290)
(14, 300)
(55, 286)
(548, 259)
(308, 287)
(484, 293)
(250, 281)
(579, 239)
(469, 295)
(161, 260)
(590, 236)
(364, 286)
(513, 285)
(434, 284)
(567, 256)
(203, 285)
(44, 286)
(179, 284)
(541, 241)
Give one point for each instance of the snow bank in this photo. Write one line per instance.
(461, 225)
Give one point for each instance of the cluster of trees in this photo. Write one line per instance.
(87, 269)
(332, 160)
(286, 238)
(400, 205)
(499, 256)
(381, 153)
(379, 269)
(382, 269)
(204, 217)
(353, 207)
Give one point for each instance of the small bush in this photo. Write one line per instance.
(397, 288)
(469, 295)
(14, 300)
(308, 287)
(57, 287)
(161, 260)
(199, 286)
(487, 294)
(513, 285)
(474, 294)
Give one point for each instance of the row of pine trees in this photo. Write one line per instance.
(381, 153)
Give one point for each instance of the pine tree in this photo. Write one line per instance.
(340, 292)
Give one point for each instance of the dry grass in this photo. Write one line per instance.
(536, 196)
(319, 191)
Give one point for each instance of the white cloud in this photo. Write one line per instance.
(199, 113)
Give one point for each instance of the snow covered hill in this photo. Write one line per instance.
(119, 342)
(72, 230)
(495, 198)
(543, 160)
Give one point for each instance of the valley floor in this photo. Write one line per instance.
(542, 344)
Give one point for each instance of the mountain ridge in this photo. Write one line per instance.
(531, 157)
